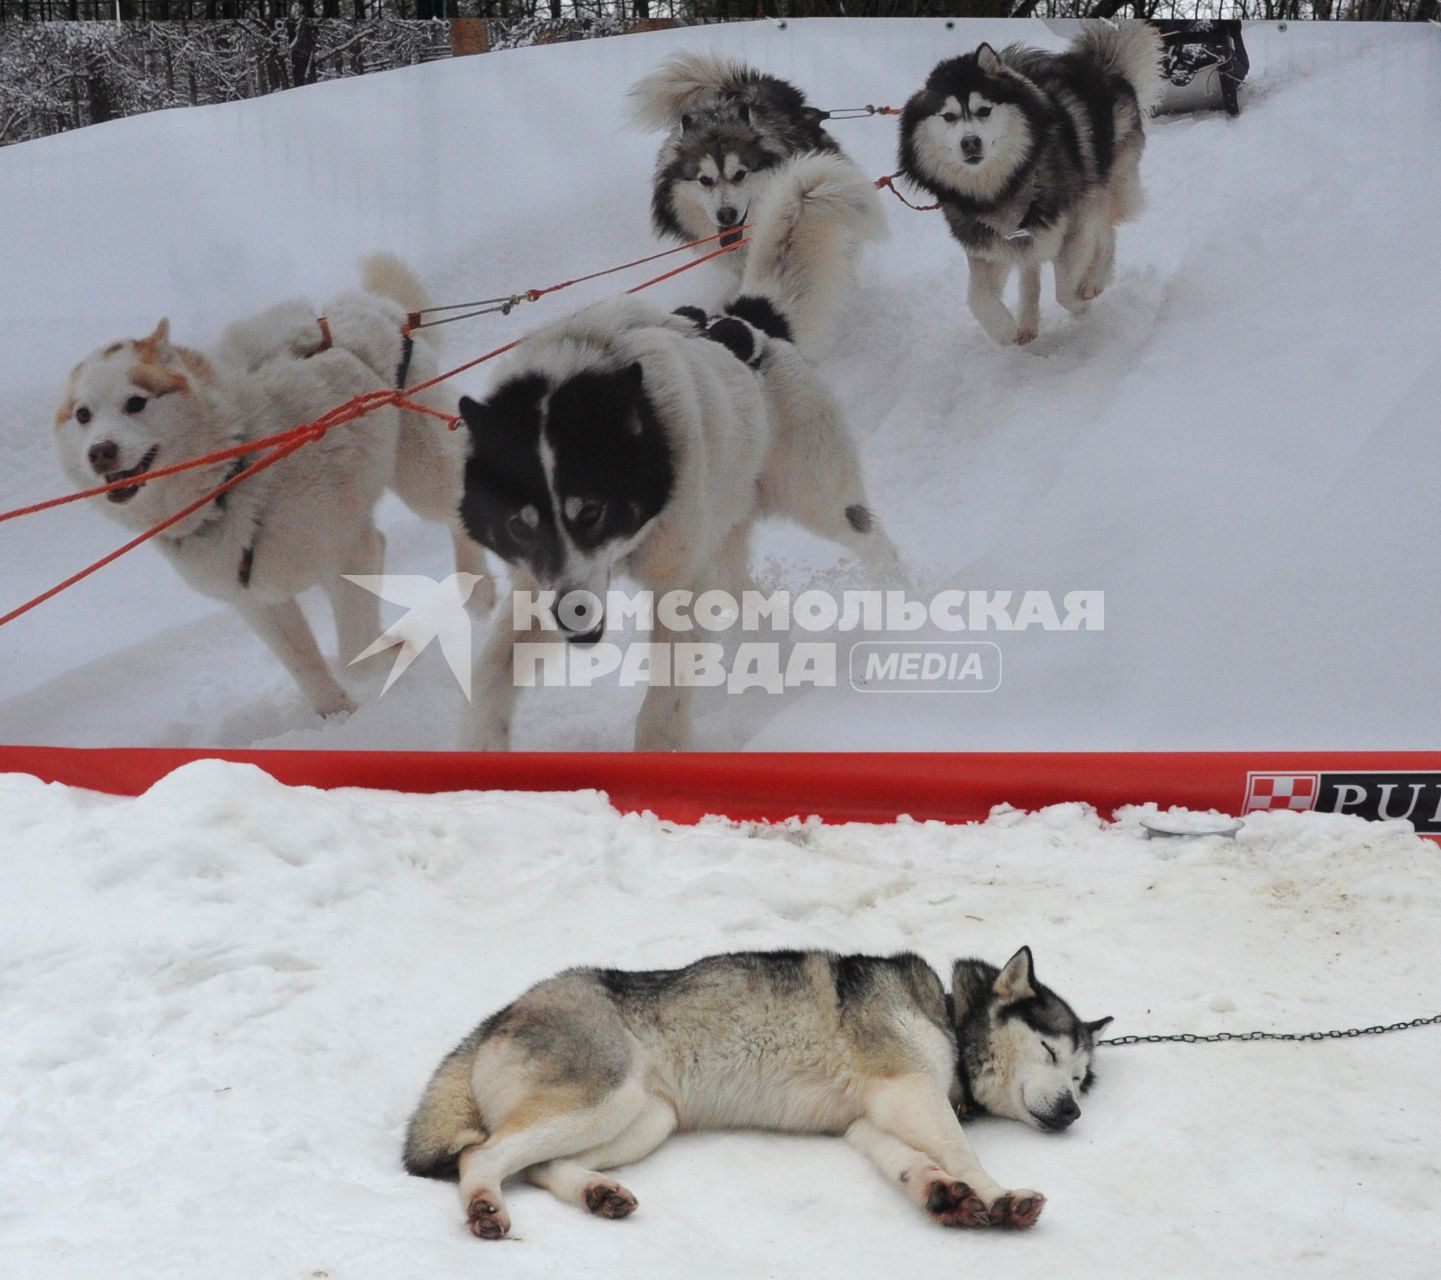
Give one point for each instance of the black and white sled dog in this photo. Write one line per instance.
(627, 439)
(730, 130)
(595, 1068)
(306, 521)
(1034, 158)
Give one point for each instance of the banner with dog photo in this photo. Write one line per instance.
(880, 387)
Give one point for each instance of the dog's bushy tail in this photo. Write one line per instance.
(1131, 50)
(658, 101)
(446, 1121)
(387, 275)
(804, 231)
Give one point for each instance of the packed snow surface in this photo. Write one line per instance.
(221, 1000)
(1237, 445)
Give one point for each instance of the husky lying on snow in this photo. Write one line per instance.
(731, 132)
(306, 521)
(595, 1068)
(1035, 158)
(627, 439)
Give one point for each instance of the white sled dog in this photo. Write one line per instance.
(730, 132)
(595, 1068)
(306, 521)
(1035, 158)
(626, 439)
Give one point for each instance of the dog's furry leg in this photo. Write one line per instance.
(1077, 252)
(577, 1182)
(1028, 324)
(664, 720)
(813, 475)
(470, 558)
(913, 1110)
(987, 284)
(546, 1124)
(573, 1182)
(357, 611)
(287, 634)
(1097, 274)
(733, 563)
(493, 690)
(949, 1201)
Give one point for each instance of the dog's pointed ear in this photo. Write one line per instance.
(1100, 1024)
(987, 61)
(745, 112)
(1017, 980)
(476, 415)
(687, 122)
(157, 344)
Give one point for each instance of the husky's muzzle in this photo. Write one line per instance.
(580, 614)
(727, 216)
(1062, 1115)
(972, 149)
(98, 462)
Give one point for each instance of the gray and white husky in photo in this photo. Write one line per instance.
(139, 404)
(595, 1068)
(730, 129)
(1035, 158)
(630, 440)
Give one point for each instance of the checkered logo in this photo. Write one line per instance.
(1281, 791)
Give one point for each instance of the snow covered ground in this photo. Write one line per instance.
(221, 1000)
(1237, 446)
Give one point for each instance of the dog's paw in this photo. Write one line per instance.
(1017, 1209)
(1025, 336)
(486, 1217)
(334, 703)
(953, 1203)
(1090, 290)
(609, 1200)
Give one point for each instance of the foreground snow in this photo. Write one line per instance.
(1237, 445)
(222, 998)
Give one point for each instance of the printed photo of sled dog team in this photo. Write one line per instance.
(637, 442)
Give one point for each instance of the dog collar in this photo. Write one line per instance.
(247, 556)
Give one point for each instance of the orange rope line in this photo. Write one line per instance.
(287, 442)
(889, 183)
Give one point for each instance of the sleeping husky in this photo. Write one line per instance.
(306, 521)
(626, 439)
(595, 1068)
(1035, 158)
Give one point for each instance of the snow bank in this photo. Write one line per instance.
(222, 998)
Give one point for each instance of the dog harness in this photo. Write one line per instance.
(741, 338)
(407, 349)
(327, 341)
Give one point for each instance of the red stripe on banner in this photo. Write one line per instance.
(952, 787)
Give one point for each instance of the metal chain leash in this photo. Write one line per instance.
(1187, 1037)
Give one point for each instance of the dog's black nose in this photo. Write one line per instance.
(1065, 1114)
(103, 455)
(970, 145)
(726, 216)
